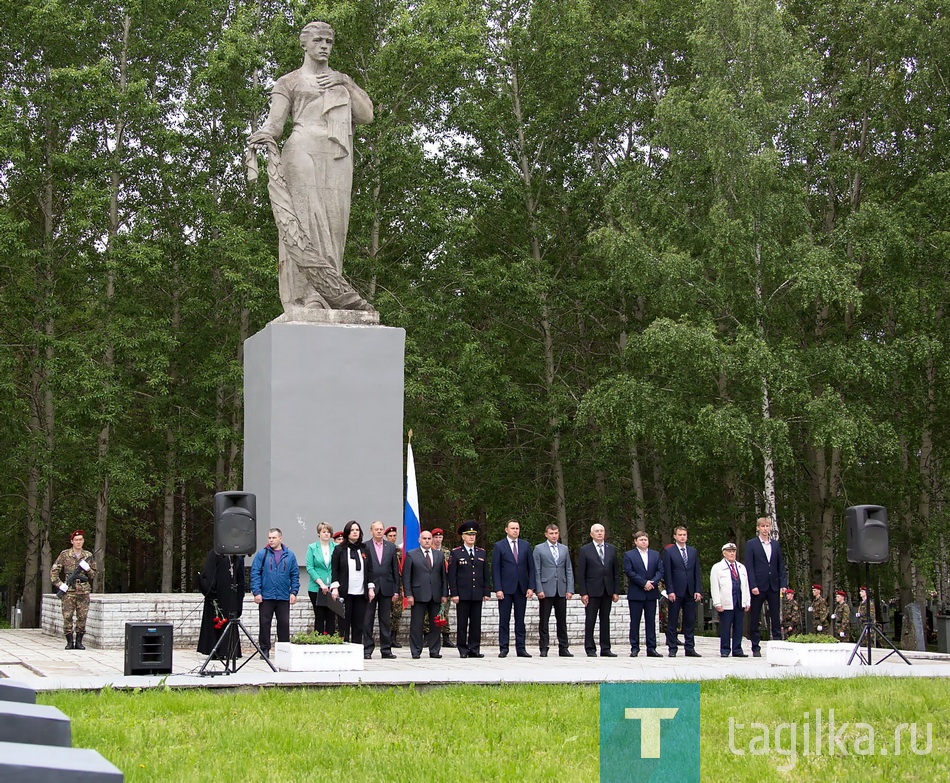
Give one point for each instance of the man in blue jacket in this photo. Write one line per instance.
(514, 580)
(767, 581)
(644, 569)
(275, 582)
(683, 591)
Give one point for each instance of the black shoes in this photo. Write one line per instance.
(503, 654)
(755, 653)
(566, 654)
(543, 653)
(389, 656)
(653, 654)
(672, 653)
(634, 654)
(607, 654)
(693, 654)
(476, 655)
(739, 655)
(524, 654)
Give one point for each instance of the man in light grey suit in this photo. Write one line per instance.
(555, 579)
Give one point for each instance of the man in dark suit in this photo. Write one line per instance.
(514, 579)
(767, 581)
(382, 571)
(425, 586)
(644, 569)
(598, 580)
(468, 589)
(555, 578)
(681, 575)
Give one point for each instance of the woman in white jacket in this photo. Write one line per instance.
(729, 585)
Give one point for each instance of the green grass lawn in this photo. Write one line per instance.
(505, 733)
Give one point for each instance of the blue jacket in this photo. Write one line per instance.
(272, 582)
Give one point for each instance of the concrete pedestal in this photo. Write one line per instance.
(323, 430)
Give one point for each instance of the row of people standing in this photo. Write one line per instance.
(518, 573)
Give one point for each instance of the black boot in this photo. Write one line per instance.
(79, 645)
(69, 642)
(447, 642)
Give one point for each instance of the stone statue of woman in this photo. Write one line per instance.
(310, 180)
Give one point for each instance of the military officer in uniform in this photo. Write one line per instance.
(791, 614)
(819, 611)
(72, 576)
(438, 535)
(395, 616)
(842, 617)
(469, 588)
(865, 608)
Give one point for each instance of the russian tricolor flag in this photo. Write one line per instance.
(410, 519)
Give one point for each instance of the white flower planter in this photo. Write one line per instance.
(799, 654)
(318, 657)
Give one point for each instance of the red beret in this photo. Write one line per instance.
(842, 593)
(816, 587)
(76, 533)
(437, 531)
(391, 529)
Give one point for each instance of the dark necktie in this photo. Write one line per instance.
(428, 560)
(683, 553)
(514, 550)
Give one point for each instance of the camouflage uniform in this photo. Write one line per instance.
(446, 608)
(76, 600)
(860, 616)
(819, 610)
(843, 622)
(395, 616)
(791, 616)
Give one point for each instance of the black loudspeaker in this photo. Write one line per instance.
(867, 534)
(148, 648)
(235, 523)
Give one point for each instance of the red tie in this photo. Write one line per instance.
(735, 573)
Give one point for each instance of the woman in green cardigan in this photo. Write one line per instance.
(318, 566)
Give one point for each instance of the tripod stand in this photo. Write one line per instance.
(872, 632)
(230, 641)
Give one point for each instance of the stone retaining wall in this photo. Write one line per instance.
(108, 614)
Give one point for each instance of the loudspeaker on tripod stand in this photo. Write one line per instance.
(867, 534)
(235, 523)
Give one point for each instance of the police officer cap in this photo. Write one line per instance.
(469, 526)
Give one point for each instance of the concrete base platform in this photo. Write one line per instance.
(38, 660)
